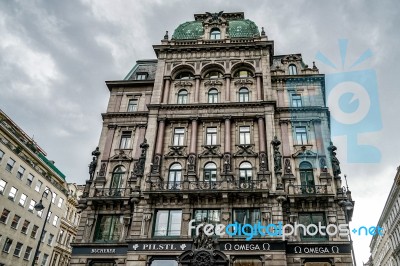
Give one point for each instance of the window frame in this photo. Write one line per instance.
(178, 137)
(1, 155)
(20, 174)
(209, 171)
(126, 140)
(133, 105)
(141, 76)
(317, 236)
(29, 179)
(244, 136)
(25, 227)
(301, 135)
(27, 254)
(20, 245)
(7, 245)
(244, 97)
(208, 214)
(12, 194)
(215, 34)
(23, 201)
(212, 95)
(3, 185)
(31, 207)
(168, 231)
(37, 188)
(7, 215)
(34, 231)
(15, 222)
(245, 170)
(174, 175)
(107, 234)
(211, 136)
(183, 96)
(292, 70)
(9, 166)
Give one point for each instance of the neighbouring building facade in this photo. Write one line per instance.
(25, 177)
(385, 249)
(216, 130)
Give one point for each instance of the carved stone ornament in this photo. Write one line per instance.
(210, 151)
(212, 82)
(155, 168)
(183, 84)
(214, 17)
(245, 150)
(277, 155)
(335, 162)
(176, 151)
(304, 153)
(103, 168)
(121, 156)
(243, 82)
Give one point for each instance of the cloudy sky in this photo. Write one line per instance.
(56, 55)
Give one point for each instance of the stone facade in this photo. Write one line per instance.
(220, 130)
(25, 177)
(385, 249)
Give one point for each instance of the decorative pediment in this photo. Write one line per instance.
(243, 82)
(183, 83)
(303, 153)
(121, 156)
(212, 83)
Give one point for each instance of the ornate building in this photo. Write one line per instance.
(217, 130)
(385, 249)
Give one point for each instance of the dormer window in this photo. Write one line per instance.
(215, 34)
(292, 70)
(243, 74)
(141, 76)
(184, 75)
(214, 75)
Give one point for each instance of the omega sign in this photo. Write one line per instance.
(246, 246)
(316, 250)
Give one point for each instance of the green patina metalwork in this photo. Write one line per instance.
(189, 31)
(242, 28)
(51, 165)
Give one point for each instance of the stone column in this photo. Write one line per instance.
(227, 87)
(196, 88)
(227, 169)
(155, 169)
(193, 149)
(167, 85)
(258, 85)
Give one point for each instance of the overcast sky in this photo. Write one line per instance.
(56, 55)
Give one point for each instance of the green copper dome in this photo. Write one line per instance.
(243, 28)
(189, 31)
(240, 28)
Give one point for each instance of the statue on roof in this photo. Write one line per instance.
(214, 17)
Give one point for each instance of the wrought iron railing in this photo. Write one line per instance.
(206, 185)
(110, 192)
(309, 190)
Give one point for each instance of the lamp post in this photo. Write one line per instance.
(347, 206)
(38, 207)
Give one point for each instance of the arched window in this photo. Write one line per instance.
(244, 95)
(306, 175)
(116, 180)
(292, 70)
(214, 75)
(212, 96)
(215, 34)
(174, 176)
(210, 172)
(182, 96)
(184, 75)
(245, 172)
(242, 73)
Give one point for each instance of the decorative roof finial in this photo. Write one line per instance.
(313, 65)
(166, 35)
(262, 31)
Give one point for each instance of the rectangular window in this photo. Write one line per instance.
(108, 228)
(55, 220)
(10, 165)
(40, 213)
(301, 135)
(311, 218)
(125, 140)
(3, 185)
(20, 172)
(53, 199)
(296, 100)
(141, 76)
(27, 254)
(60, 202)
(247, 216)
(60, 236)
(31, 205)
(22, 200)
(25, 227)
(50, 240)
(1, 155)
(48, 216)
(17, 250)
(244, 135)
(42, 237)
(44, 260)
(13, 193)
(207, 216)
(179, 134)
(15, 221)
(29, 179)
(7, 245)
(34, 231)
(168, 223)
(55, 260)
(46, 192)
(38, 186)
(211, 136)
(4, 216)
(132, 105)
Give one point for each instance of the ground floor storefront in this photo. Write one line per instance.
(227, 252)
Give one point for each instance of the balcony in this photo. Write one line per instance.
(196, 186)
(110, 193)
(307, 190)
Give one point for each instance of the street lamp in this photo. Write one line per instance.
(348, 206)
(39, 207)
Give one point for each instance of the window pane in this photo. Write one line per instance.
(10, 164)
(296, 100)
(292, 70)
(125, 140)
(178, 136)
(13, 193)
(161, 223)
(3, 185)
(27, 254)
(20, 172)
(175, 223)
(17, 249)
(4, 216)
(132, 106)
(34, 231)
(244, 135)
(29, 179)
(301, 135)
(15, 221)
(164, 263)
(25, 227)
(38, 185)
(32, 205)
